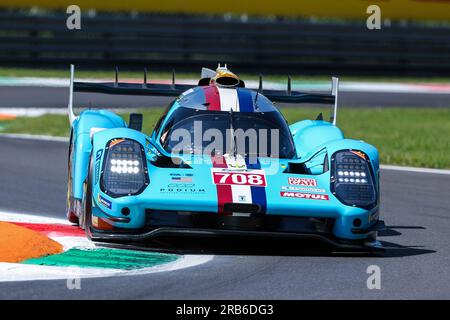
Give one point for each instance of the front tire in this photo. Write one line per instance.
(86, 212)
(72, 205)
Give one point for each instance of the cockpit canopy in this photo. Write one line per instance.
(258, 129)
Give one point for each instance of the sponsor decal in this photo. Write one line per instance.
(181, 178)
(303, 189)
(104, 201)
(359, 154)
(98, 157)
(237, 165)
(181, 185)
(255, 178)
(115, 141)
(182, 188)
(301, 195)
(97, 172)
(307, 182)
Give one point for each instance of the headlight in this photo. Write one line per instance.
(352, 179)
(125, 168)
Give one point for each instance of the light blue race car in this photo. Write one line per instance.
(221, 162)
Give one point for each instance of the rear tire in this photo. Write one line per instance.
(86, 207)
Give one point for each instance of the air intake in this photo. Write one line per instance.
(242, 208)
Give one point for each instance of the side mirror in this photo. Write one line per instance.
(135, 122)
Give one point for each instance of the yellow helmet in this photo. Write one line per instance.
(225, 78)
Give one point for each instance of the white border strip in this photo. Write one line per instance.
(33, 137)
(32, 112)
(9, 216)
(12, 272)
(414, 169)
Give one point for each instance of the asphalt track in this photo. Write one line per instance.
(57, 97)
(416, 264)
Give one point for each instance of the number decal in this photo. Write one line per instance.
(224, 178)
(251, 178)
(256, 179)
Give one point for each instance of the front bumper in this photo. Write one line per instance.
(240, 227)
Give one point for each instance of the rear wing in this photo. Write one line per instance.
(173, 89)
(290, 96)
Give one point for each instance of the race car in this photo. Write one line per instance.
(221, 162)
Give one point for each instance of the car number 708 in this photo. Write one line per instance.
(239, 178)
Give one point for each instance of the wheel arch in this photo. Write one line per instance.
(84, 127)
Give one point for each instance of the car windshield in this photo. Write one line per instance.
(193, 131)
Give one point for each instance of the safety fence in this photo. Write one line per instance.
(258, 45)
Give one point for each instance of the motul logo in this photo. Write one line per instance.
(307, 182)
(304, 195)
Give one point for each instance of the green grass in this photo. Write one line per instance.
(123, 73)
(52, 125)
(409, 137)
(404, 136)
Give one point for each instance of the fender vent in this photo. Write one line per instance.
(298, 168)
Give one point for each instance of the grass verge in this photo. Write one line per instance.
(404, 136)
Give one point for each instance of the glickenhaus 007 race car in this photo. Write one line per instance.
(221, 161)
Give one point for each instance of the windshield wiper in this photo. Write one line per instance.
(233, 146)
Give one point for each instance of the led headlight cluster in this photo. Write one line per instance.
(352, 181)
(125, 166)
(125, 171)
(352, 176)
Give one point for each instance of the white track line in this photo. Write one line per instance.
(32, 112)
(27, 272)
(36, 112)
(414, 169)
(33, 137)
(9, 216)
